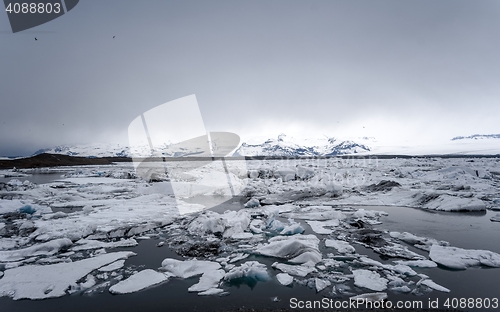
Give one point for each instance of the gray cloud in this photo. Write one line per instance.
(403, 69)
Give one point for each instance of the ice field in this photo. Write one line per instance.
(317, 223)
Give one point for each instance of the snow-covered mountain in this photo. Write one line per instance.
(477, 137)
(89, 150)
(288, 146)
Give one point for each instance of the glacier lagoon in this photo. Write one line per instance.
(366, 228)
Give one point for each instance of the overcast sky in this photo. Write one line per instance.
(401, 71)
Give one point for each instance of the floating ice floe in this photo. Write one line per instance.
(321, 227)
(321, 284)
(371, 297)
(138, 281)
(340, 246)
(431, 284)
(417, 263)
(113, 266)
(43, 249)
(209, 280)
(284, 278)
(423, 243)
(86, 244)
(48, 281)
(495, 218)
(458, 258)
(188, 268)
(296, 249)
(369, 279)
(317, 213)
(296, 270)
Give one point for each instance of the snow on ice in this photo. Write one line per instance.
(138, 281)
(461, 259)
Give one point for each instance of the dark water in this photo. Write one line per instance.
(465, 230)
(37, 177)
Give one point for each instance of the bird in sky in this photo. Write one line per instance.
(36, 39)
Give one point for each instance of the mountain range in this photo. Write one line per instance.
(289, 146)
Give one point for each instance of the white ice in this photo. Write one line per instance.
(138, 281)
(369, 279)
(296, 270)
(340, 246)
(48, 281)
(188, 268)
(284, 278)
(296, 249)
(458, 258)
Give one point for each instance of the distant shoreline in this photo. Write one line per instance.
(55, 160)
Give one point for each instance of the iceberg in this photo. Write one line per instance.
(250, 269)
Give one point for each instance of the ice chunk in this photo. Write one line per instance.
(431, 284)
(318, 213)
(321, 284)
(45, 249)
(113, 266)
(371, 297)
(418, 263)
(292, 229)
(250, 269)
(419, 242)
(341, 246)
(86, 244)
(252, 203)
(188, 268)
(242, 235)
(237, 222)
(458, 258)
(208, 222)
(304, 173)
(296, 249)
(369, 279)
(297, 270)
(138, 281)
(495, 218)
(48, 281)
(284, 278)
(320, 227)
(211, 292)
(209, 280)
